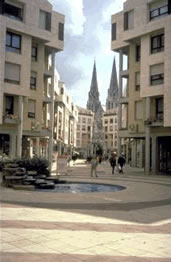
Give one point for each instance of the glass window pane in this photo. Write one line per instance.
(164, 10)
(16, 41)
(8, 39)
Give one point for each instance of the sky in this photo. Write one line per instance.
(87, 38)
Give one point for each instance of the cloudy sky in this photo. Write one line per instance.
(87, 37)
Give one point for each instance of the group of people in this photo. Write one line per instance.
(113, 162)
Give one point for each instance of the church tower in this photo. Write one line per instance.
(112, 98)
(95, 106)
(93, 102)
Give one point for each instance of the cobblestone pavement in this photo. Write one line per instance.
(131, 225)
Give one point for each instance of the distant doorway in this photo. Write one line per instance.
(164, 154)
(4, 144)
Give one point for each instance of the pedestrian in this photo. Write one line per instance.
(68, 160)
(121, 162)
(94, 163)
(112, 161)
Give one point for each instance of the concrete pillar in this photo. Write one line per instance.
(141, 153)
(147, 138)
(13, 145)
(154, 154)
(38, 146)
(133, 153)
(50, 152)
(127, 151)
(1, 106)
(119, 96)
(20, 126)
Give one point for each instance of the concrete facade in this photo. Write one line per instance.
(84, 131)
(65, 120)
(141, 34)
(30, 36)
(110, 123)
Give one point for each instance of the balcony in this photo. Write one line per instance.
(154, 121)
(11, 119)
(47, 99)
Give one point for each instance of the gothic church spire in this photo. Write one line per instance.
(112, 99)
(93, 102)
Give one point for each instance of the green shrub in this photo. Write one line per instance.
(34, 164)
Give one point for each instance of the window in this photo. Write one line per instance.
(137, 53)
(106, 137)
(128, 20)
(157, 43)
(33, 80)
(88, 128)
(12, 73)
(157, 74)
(138, 110)
(13, 42)
(62, 91)
(158, 11)
(9, 106)
(111, 128)
(106, 129)
(31, 108)
(45, 20)
(159, 108)
(83, 128)
(13, 10)
(84, 120)
(106, 121)
(124, 89)
(111, 120)
(34, 52)
(124, 116)
(137, 81)
(113, 31)
(61, 31)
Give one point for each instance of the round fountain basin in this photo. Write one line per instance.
(77, 187)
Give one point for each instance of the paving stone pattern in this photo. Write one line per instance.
(131, 225)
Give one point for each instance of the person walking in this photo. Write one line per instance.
(121, 162)
(94, 163)
(113, 162)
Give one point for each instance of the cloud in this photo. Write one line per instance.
(87, 36)
(73, 10)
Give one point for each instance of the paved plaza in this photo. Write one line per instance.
(130, 225)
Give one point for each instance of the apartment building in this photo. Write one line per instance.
(84, 131)
(65, 120)
(110, 124)
(141, 35)
(31, 33)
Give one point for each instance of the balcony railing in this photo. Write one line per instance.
(11, 119)
(154, 120)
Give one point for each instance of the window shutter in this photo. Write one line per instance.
(157, 69)
(12, 72)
